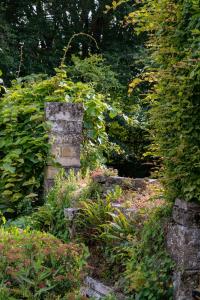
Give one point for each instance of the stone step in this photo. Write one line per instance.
(97, 290)
(70, 213)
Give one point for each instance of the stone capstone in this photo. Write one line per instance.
(64, 111)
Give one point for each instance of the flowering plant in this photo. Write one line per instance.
(34, 265)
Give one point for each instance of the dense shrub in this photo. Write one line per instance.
(174, 32)
(23, 152)
(23, 136)
(35, 265)
(94, 70)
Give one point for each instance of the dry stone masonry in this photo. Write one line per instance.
(65, 137)
(183, 242)
(109, 182)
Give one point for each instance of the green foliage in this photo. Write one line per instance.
(23, 136)
(67, 192)
(33, 38)
(43, 29)
(50, 217)
(97, 72)
(23, 153)
(36, 265)
(4, 293)
(126, 121)
(132, 248)
(149, 269)
(118, 236)
(174, 34)
(108, 233)
(92, 217)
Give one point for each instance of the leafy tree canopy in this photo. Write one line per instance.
(35, 33)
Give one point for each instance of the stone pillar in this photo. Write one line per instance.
(183, 243)
(65, 137)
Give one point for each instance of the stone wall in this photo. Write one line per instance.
(65, 137)
(109, 182)
(183, 243)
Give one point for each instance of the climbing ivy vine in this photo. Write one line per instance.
(173, 29)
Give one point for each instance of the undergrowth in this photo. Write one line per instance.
(128, 251)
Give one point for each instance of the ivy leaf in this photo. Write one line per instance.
(7, 167)
(31, 195)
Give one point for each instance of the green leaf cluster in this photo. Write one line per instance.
(23, 135)
(35, 33)
(126, 120)
(36, 265)
(23, 152)
(149, 269)
(174, 35)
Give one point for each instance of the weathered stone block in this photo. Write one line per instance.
(71, 213)
(65, 150)
(185, 283)
(63, 111)
(51, 172)
(94, 288)
(63, 127)
(123, 182)
(183, 244)
(68, 161)
(186, 213)
(70, 151)
(70, 139)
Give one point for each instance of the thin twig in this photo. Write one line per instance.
(69, 44)
(21, 60)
